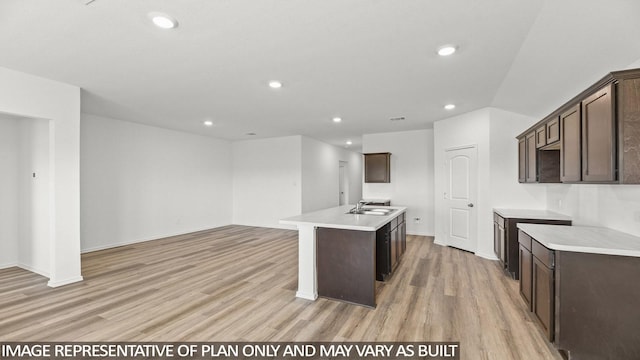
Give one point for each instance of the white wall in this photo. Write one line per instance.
(320, 175)
(34, 97)
(506, 192)
(267, 177)
(34, 200)
(635, 65)
(142, 182)
(468, 129)
(493, 131)
(8, 191)
(412, 175)
(612, 206)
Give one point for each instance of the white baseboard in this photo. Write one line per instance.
(8, 265)
(136, 241)
(307, 296)
(58, 283)
(420, 234)
(487, 256)
(33, 270)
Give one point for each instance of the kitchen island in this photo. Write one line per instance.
(337, 251)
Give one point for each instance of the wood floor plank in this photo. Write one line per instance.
(238, 283)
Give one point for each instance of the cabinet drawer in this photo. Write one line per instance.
(524, 240)
(394, 223)
(500, 220)
(543, 254)
(401, 218)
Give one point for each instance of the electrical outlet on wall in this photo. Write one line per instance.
(416, 220)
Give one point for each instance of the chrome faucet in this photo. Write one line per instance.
(360, 204)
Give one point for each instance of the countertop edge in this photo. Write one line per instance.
(383, 220)
(534, 214)
(549, 242)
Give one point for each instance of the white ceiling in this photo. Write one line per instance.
(364, 60)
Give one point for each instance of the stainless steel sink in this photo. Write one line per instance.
(371, 211)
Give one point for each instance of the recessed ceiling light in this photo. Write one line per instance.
(449, 106)
(251, 134)
(208, 123)
(275, 84)
(447, 50)
(349, 142)
(337, 119)
(163, 21)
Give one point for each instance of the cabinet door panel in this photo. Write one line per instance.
(543, 296)
(541, 136)
(532, 171)
(553, 131)
(570, 155)
(394, 248)
(522, 161)
(496, 241)
(525, 275)
(598, 141)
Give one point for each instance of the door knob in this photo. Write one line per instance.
(470, 204)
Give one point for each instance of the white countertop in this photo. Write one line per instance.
(338, 218)
(531, 214)
(587, 239)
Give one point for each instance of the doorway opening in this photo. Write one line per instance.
(25, 190)
(343, 183)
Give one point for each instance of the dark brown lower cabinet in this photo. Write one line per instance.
(543, 296)
(346, 265)
(597, 313)
(505, 239)
(391, 243)
(586, 304)
(537, 287)
(526, 262)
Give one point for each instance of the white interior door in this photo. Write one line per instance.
(460, 197)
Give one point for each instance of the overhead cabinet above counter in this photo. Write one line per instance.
(377, 168)
(593, 138)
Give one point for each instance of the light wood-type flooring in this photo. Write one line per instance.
(237, 283)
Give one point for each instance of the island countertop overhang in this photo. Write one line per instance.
(338, 218)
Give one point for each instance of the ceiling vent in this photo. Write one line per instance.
(400, 118)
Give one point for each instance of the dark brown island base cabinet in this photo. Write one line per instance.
(350, 261)
(593, 138)
(377, 168)
(391, 244)
(586, 304)
(505, 240)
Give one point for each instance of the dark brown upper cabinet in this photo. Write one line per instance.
(541, 136)
(595, 136)
(553, 130)
(522, 160)
(377, 168)
(598, 137)
(530, 143)
(570, 140)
